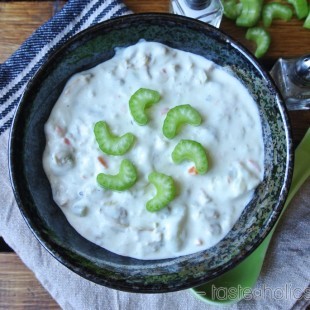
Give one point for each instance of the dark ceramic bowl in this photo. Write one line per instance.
(33, 192)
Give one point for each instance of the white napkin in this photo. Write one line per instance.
(283, 284)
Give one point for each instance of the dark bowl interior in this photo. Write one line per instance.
(33, 192)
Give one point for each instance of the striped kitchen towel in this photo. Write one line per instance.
(75, 16)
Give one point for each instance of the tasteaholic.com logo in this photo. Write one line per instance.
(288, 292)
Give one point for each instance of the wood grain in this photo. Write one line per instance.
(18, 20)
(19, 289)
(289, 39)
(139, 6)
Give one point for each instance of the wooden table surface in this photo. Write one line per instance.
(19, 289)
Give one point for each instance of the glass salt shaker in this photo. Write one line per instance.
(292, 76)
(208, 11)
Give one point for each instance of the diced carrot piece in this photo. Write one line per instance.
(192, 170)
(67, 141)
(102, 161)
(60, 131)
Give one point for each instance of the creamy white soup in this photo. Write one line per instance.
(206, 206)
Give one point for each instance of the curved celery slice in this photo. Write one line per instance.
(262, 39)
(125, 179)
(193, 151)
(177, 116)
(165, 191)
(275, 10)
(307, 21)
(232, 8)
(250, 13)
(139, 101)
(301, 8)
(109, 143)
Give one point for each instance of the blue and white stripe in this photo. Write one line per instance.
(15, 73)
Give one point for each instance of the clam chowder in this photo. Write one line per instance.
(205, 206)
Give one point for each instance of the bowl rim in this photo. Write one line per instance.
(197, 25)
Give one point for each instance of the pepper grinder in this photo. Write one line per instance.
(208, 11)
(292, 76)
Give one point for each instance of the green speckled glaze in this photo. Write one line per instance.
(33, 193)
